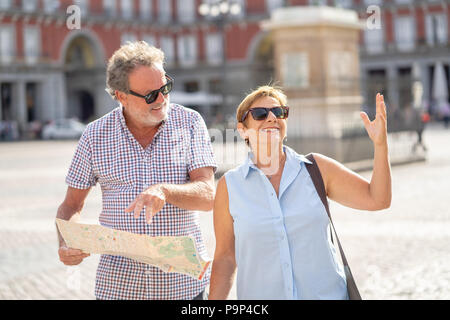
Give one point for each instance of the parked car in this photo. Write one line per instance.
(63, 129)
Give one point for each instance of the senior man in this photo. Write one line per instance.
(155, 166)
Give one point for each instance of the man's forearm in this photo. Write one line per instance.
(198, 195)
(66, 213)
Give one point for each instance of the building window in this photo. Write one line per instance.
(110, 8)
(295, 70)
(274, 4)
(436, 29)
(376, 2)
(214, 48)
(404, 79)
(405, 33)
(51, 5)
(191, 86)
(128, 37)
(374, 40)
(187, 50)
(84, 6)
(167, 46)
(145, 9)
(347, 4)
(164, 11)
(149, 39)
(7, 44)
(29, 5)
(186, 11)
(32, 44)
(215, 85)
(317, 2)
(126, 7)
(5, 4)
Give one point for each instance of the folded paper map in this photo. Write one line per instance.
(170, 254)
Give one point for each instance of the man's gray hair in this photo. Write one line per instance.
(125, 60)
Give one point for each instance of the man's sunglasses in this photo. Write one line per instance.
(281, 112)
(152, 96)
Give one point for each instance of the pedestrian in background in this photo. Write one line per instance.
(445, 113)
(269, 220)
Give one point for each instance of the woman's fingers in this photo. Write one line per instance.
(365, 118)
(383, 107)
(380, 105)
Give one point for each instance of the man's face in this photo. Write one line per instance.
(143, 80)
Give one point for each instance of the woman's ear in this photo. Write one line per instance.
(241, 129)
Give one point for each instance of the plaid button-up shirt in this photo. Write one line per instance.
(109, 154)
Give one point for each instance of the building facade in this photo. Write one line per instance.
(51, 70)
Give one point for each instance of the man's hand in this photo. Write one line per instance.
(71, 257)
(153, 199)
(70, 210)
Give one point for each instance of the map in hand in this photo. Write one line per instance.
(170, 254)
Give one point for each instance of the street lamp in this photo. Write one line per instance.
(218, 12)
(219, 7)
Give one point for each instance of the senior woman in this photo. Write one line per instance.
(269, 221)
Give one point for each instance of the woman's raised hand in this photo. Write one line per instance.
(377, 129)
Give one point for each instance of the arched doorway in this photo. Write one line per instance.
(261, 55)
(81, 106)
(87, 106)
(84, 64)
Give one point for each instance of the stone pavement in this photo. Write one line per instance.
(398, 253)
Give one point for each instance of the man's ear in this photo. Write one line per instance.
(122, 97)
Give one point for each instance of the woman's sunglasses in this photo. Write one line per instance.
(152, 96)
(281, 112)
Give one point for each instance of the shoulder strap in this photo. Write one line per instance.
(317, 179)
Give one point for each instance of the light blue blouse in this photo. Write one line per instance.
(283, 245)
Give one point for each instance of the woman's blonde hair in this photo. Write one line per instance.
(263, 91)
(125, 60)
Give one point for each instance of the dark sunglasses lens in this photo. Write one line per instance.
(151, 97)
(259, 113)
(284, 113)
(278, 112)
(167, 88)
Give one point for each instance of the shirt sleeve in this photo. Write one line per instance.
(201, 153)
(81, 174)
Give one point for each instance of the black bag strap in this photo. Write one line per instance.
(317, 179)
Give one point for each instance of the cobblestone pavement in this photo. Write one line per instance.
(398, 253)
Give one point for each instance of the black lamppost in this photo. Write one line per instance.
(218, 11)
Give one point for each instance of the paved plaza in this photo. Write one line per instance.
(399, 253)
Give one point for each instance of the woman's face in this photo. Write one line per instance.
(264, 133)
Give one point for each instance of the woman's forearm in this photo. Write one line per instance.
(222, 277)
(380, 184)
